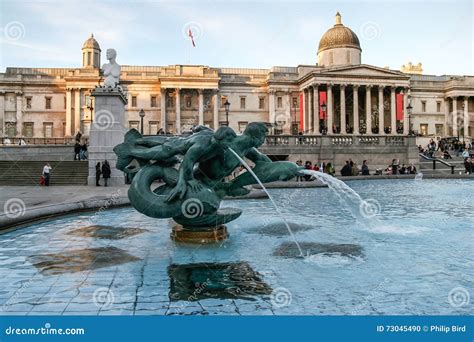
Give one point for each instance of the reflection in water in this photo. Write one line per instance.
(80, 260)
(106, 232)
(289, 250)
(192, 282)
(279, 228)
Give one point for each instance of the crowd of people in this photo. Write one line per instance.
(442, 148)
(80, 147)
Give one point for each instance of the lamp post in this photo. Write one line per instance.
(227, 106)
(142, 115)
(324, 107)
(409, 109)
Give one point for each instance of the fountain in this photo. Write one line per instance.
(192, 193)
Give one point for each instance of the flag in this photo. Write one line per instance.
(322, 99)
(190, 34)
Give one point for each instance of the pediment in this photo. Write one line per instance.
(364, 70)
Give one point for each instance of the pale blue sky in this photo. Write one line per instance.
(256, 34)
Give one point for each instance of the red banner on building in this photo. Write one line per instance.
(400, 109)
(322, 99)
(301, 126)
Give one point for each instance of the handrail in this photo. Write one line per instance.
(437, 160)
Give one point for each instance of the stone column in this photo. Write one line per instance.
(393, 112)
(178, 111)
(19, 114)
(2, 114)
(68, 112)
(446, 116)
(330, 110)
(216, 109)
(107, 131)
(77, 110)
(466, 117)
(316, 108)
(355, 105)
(302, 105)
(343, 108)
(368, 110)
(163, 109)
(201, 106)
(271, 106)
(310, 116)
(455, 116)
(381, 111)
(406, 128)
(288, 119)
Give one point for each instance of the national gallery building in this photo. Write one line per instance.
(338, 95)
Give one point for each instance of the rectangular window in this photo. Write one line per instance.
(423, 106)
(28, 131)
(295, 102)
(47, 102)
(48, 129)
(261, 103)
(89, 57)
(438, 106)
(223, 100)
(153, 127)
(242, 126)
(134, 101)
(10, 128)
(28, 102)
(439, 129)
(153, 101)
(134, 124)
(424, 129)
(279, 102)
(170, 102)
(242, 103)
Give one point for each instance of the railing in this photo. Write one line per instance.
(439, 161)
(36, 141)
(335, 140)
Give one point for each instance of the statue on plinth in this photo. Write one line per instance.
(111, 70)
(192, 193)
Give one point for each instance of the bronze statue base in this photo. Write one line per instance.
(216, 234)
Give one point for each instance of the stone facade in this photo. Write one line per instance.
(339, 98)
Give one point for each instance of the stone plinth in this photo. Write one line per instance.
(107, 131)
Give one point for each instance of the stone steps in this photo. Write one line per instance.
(29, 172)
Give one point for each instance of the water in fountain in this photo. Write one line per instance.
(419, 176)
(249, 169)
(363, 211)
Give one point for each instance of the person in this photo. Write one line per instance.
(316, 166)
(77, 150)
(83, 152)
(346, 170)
(395, 164)
(465, 154)
(22, 142)
(160, 131)
(365, 168)
(330, 169)
(78, 136)
(308, 166)
(97, 174)
(403, 169)
(46, 173)
(446, 155)
(411, 169)
(355, 169)
(106, 171)
(7, 141)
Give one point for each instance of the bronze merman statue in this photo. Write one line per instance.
(193, 192)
